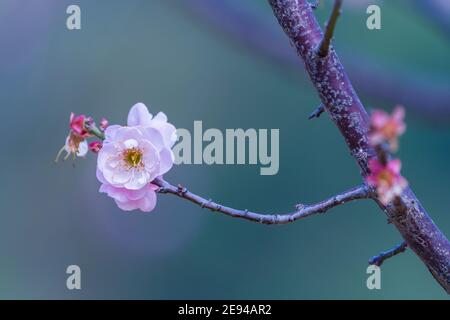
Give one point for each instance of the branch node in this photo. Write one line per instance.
(181, 190)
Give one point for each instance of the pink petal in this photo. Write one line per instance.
(138, 179)
(398, 114)
(395, 165)
(379, 118)
(139, 115)
(375, 166)
(166, 160)
(111, 131)
(118, 194)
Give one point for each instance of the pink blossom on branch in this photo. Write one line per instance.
(76, 144)
(386, 178)
(387, 128)
(133, 156)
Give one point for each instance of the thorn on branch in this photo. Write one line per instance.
(317, 113)
(324, 45)
(379, 259)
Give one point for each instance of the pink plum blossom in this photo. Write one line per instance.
(385, 127)
(76, 143)
(386, 179)
(133, 156)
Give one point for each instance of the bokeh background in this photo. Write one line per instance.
(196, 60)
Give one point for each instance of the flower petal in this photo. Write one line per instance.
(395, 166)
(137, 180)
(82, 148)
(167, 158)
(139, 115)
(110, 132)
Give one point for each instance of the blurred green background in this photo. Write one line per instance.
(167, 55)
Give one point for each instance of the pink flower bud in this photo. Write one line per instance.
(95, 146)
(386, 179)
(78, 125)
(104, 123)
(387, 128)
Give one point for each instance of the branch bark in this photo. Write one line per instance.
(346, 110)
(303, 211)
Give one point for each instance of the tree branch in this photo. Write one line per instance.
(324, 45)
(303, 211)
(345, 108)
(380, 258)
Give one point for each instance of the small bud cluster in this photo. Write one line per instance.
(385, 177)
(81, 128)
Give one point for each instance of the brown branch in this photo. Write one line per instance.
(383, 256)
(345, 108)
(324, 45)
(303, 211)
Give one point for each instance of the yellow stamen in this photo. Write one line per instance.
(133, 157)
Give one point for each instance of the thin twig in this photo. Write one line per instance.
(380, 258)
(316, 113)
(303, 211)
(324, 46)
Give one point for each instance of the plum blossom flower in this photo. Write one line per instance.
(133, 156)
(385, 127)
(76, 143)
(386, 178)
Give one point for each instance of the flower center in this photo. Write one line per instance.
(133, 157)
(390, 130)
(386, 177)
